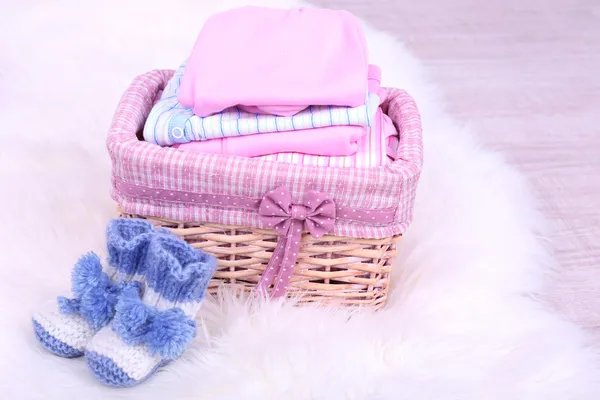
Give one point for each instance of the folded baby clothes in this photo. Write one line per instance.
(279, 61)
(170, 122)
(328, 141)
(377, 147)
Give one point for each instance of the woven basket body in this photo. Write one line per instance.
(331, 269)
(213, 201)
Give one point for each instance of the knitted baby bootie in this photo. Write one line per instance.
(149, 331)
(66, 327)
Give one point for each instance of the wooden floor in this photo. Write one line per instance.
(525, 74)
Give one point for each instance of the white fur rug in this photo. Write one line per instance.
(463, 321)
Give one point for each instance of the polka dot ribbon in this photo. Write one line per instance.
(316, 215)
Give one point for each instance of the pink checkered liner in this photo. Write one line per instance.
(155, 181)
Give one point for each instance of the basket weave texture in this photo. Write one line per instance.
(334, 270)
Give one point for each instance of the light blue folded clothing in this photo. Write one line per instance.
(170, 123)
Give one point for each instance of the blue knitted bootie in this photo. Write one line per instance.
(149, 331)
(66, 327)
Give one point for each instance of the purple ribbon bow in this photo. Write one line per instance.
(316, 215)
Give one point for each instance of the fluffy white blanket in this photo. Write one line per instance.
(463, 321)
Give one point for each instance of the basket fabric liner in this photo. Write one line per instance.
(168, 183)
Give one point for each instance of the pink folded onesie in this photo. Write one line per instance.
(276, 61)
(326, 141)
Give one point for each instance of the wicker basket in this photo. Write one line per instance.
(330, 269)
(214, 202)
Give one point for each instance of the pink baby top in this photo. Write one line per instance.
(325, 141)
(276, 61)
